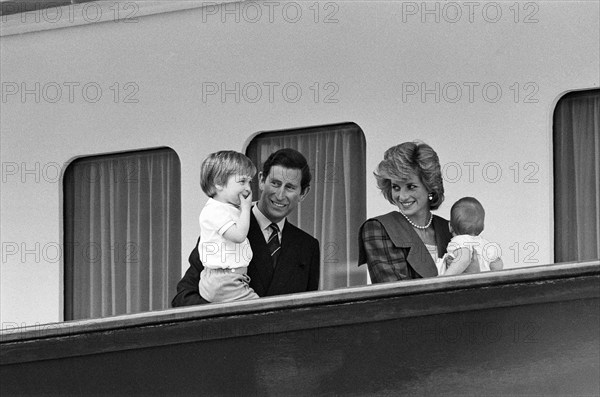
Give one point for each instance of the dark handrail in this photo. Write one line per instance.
(304, 300)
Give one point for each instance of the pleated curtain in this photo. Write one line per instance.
(576, 143)
(122, 226)
(336, 205)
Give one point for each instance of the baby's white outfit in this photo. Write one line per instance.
(486, 252)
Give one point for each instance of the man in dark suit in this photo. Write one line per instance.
(283, 182)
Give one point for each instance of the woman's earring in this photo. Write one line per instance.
(430, 196)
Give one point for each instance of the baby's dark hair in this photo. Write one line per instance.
(467, 216)
(219, 166)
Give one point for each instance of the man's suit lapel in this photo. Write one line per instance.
(261, 257)
(287, 258)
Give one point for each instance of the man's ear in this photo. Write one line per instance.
(261, 181)
(304, 193)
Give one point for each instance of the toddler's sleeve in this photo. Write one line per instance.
(218, 218)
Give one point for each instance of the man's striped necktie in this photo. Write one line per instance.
(273, 243)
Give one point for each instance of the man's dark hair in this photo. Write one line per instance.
(289, 158)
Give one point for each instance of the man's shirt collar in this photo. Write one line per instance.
(263, 221)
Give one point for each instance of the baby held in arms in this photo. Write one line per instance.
(466, 223)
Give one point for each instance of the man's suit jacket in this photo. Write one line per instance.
(297, 267)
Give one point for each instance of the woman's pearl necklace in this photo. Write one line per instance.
(417, 226)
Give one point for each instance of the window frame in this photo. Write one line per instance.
(67, 295)
(322, 175)
(553, 159)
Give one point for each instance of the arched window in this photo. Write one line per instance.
(336, 205)
(576, 141)
(122, 233)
